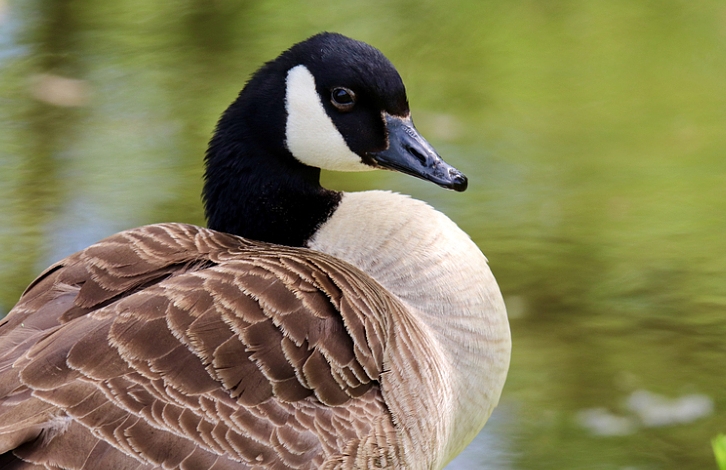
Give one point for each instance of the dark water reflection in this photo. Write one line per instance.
(592, 133)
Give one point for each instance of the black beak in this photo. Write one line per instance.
(408, 152)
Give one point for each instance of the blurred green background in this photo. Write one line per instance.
(593, 134)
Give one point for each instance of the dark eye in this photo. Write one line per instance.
(342, 98)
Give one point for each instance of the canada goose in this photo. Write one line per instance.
(305, 328)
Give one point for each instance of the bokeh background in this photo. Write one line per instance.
(593, 133)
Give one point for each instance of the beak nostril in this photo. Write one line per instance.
(416, 153)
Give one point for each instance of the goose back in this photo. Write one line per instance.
(176, 346)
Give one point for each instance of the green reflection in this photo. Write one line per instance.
(592, 133)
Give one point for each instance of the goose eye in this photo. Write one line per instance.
(342, 98)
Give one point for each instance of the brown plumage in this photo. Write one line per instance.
(188, 348)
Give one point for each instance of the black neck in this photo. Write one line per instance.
(254, 187)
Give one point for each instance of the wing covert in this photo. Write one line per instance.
(241, 352)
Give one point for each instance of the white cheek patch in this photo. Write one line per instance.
(310, 134)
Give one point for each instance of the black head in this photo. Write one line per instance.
(354, 82)
(328, 102)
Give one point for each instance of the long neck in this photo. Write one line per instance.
(254, 187)
(423, 258)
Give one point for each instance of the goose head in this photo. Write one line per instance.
(329, 102)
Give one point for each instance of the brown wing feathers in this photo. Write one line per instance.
(175, 346)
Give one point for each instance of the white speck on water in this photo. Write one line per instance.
(655, 410)
(601, 422)
(647, 409)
